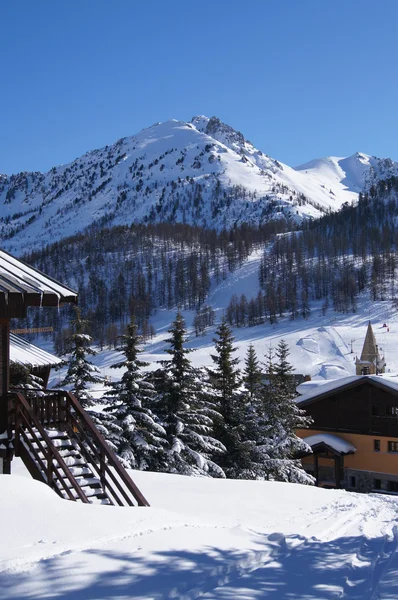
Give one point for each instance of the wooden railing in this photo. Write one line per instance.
(33, 447)
(61, 411)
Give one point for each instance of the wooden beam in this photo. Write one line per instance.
(5, 466)
(33, 330)
(337, 471)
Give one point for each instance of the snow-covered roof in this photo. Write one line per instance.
(335, 384)
(328, 386)
(25, 353)
(333, 441)
(16, 277)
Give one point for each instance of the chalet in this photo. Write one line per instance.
(354, 435)
(49, 430)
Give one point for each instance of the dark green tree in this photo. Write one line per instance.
(81, 374)
(252, 374)
(225, 381)
(256, 424)
(283, 418)
(139, 439)
(186, 411)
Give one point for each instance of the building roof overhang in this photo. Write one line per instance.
(319, 442)
(22, 285)
(346, 383)
(25, 353)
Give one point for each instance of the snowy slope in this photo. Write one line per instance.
(348, 175)
(200, 538)
(319, 346)
(324, 347)
(202, 172)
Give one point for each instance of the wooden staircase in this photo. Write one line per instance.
(60, 446)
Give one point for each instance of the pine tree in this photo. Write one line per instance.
(252, 375)
(186, 411)
(139, 439)
(225, 374)
(81, 372)
(24, 378)
(284, 417)
(256, 424)
(225, 381)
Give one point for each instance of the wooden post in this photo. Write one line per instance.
(5, 463)
(316, 469)
(337, 471)
(102, 470)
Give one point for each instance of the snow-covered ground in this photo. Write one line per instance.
(201, 538)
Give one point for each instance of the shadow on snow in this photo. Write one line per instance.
(292, 568)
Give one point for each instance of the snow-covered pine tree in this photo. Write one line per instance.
(24, 378)
(256, 425)
(186, 411)
(225, 382)
(139, 439)
(284, 417)
(81, 373)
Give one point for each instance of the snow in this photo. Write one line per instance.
(349, 175)
(202, 538)
(324, 387)
(18, 277)
(334, 441)
(25, 353)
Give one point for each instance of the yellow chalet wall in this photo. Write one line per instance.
(366, 458)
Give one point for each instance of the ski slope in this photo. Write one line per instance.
(201, 538)
(324, 347)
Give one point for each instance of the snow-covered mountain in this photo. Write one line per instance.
(202, 172)
(349, 175)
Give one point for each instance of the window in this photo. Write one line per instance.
(376, 445)
(353, 481)
(375, 410)
(381, 484)
(393, 486)
(393, 446)
(392, 411)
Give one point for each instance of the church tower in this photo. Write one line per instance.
(370, 363)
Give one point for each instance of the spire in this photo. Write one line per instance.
(370, 351)
(370, 363)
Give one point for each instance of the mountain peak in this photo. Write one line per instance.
(361, 156)
(200, 122)
(219, 130)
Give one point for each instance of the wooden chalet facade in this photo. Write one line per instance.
(354, 435)
(21, 286)
(49, 430)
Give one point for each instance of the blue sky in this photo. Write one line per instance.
(300, 78)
